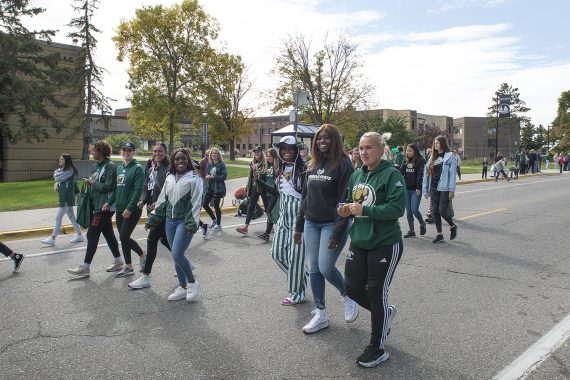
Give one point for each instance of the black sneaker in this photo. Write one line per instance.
(429, 220)
(372, 356)
(17, 261)
(410, 234)
(264, 236)
(422, 229)
(205, 231)
(437, 239)
(453, 234)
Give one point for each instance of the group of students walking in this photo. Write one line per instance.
(315, 207)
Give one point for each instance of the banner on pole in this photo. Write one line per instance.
(504, 106)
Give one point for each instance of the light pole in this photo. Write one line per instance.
(497, 127)
(204, 133)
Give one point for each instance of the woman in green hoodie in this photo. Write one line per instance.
(130, 182)
(376, 200)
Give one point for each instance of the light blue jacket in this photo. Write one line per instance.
(448, 177)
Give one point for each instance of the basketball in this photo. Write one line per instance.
(240, 193)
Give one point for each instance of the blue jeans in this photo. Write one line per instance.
(322, 260)
(179, 240)
(412, 207)
(59, 218)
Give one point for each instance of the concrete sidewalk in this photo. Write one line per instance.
(39, 222)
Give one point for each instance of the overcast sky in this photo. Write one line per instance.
(441, 57)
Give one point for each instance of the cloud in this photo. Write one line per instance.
(443, 6)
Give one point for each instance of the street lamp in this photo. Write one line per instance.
(204, 133)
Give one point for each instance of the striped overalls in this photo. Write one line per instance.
(290, 257)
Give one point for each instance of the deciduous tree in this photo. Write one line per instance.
(561, 124)
(332, 75)
(226, 86)
(168, 51)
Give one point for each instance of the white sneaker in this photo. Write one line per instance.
(213, 224)
(77, 239)
(217, 227)
(79, 272)
(142, 282)
(320, 321)
(350, 309)
(193, 291)
(178, 294)
(49, 241)
(116, 266)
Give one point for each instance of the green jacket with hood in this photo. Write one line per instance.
(130, 181)
(104, 175)
(382, 194)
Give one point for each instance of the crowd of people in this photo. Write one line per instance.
(314, 202)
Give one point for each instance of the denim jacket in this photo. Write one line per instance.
(448, 177)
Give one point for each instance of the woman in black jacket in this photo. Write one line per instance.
(413, 171)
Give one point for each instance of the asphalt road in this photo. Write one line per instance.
(467, 308)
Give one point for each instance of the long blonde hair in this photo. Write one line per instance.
(380, 140)
(220, 158)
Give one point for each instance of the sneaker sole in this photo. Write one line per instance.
(80, 274)
(124, 274)
(322, 326)
(177, 299)
(374, 363)
(113, 270)
(49, 244)
(138, 287)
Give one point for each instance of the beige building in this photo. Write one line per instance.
(472, 138)
(25, 160)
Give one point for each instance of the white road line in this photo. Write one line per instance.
(82, 248)
(537, 353)
(511, 185)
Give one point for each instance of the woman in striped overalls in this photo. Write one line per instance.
(288, 255)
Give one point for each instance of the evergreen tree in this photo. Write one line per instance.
(87, 72)
(29, 76)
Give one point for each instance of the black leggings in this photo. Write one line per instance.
(484, 173)
(368, 274)
(439, 205)
(253, 199)
(101, 223)
(271, 202)
(217, 197)
(155, 234)
(5, 250)
(126, 228)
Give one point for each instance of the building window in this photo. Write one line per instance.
(491, 143)
(262, 146)
(250, 147)
(491, 131)
(237, 146)
(261, 131)
(413, 125)
(457, 130)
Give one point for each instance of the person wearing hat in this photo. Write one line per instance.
(102, 183)
(288, 255)
(130, 182)
(257, 171)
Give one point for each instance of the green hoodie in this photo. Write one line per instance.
(104, 175)
(130, 181)
(382, 193)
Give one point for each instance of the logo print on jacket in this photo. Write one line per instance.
(363, 194)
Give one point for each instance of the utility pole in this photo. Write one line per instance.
(497, 127)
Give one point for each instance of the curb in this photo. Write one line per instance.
(69, 230)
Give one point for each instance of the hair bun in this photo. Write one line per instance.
(386, 136)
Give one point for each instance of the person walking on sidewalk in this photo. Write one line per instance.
(130, 182)
(17, 258)
(216, 175)
(154, 182)
(500, 167)
(413, 172)
(257, 172)
(439, 184)
(271, 193)
(318, 224)
(288, 255)
(202, 168)
(65, 184)
(102, 183)
(376, 200)
(179, 203)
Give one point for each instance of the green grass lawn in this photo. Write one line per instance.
(39, 193)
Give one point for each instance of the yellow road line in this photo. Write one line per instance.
(481, 214)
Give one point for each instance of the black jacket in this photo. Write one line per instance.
(413, 174)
